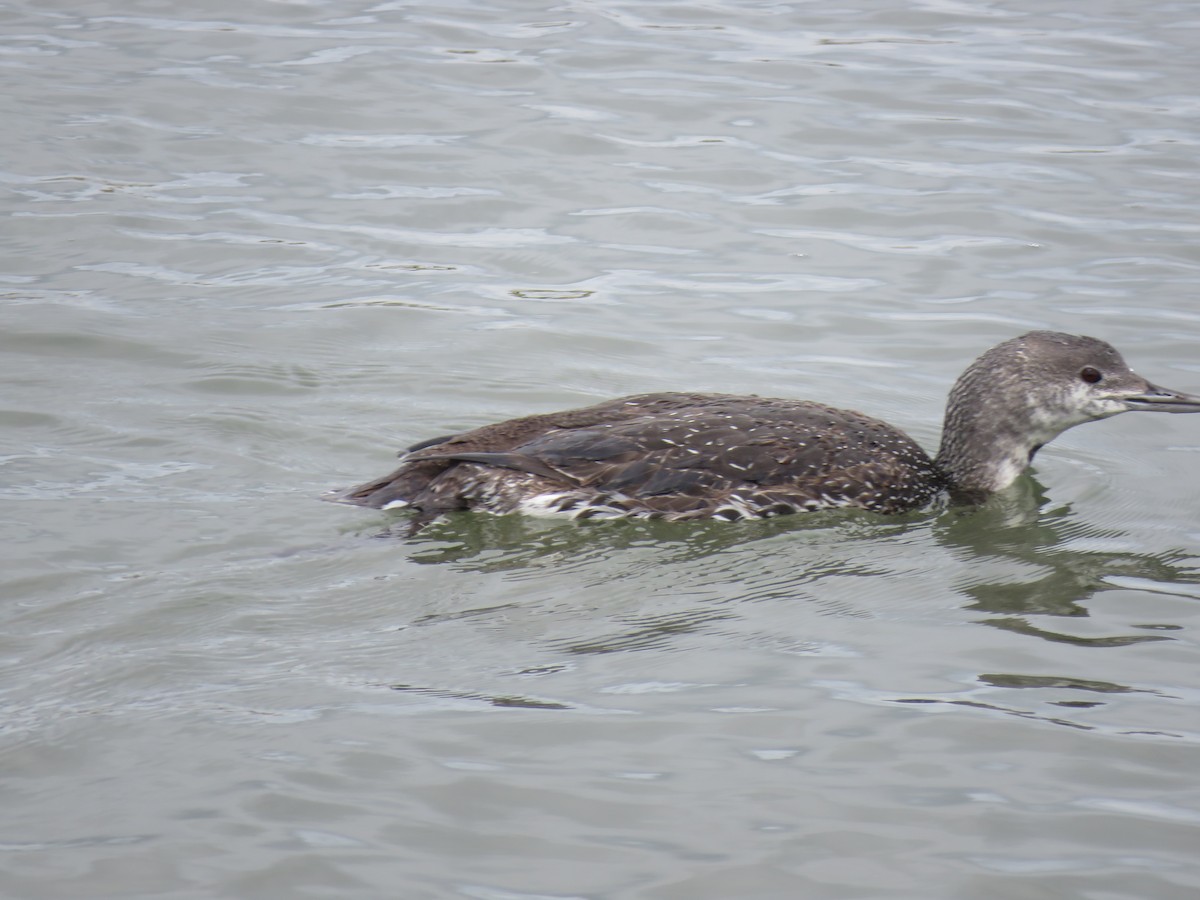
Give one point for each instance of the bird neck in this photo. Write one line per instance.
(980, 458)
(990, 433)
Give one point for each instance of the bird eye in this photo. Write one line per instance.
(1090, 375)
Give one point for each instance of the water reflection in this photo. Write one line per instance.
(1021, 527)
(480, 542)
(470, 698)
(1044, 683)
(651, 632)
(1018, 564)
(1049, 681)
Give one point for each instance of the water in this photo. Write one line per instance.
(252, 249)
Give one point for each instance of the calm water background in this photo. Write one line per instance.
(252, 248)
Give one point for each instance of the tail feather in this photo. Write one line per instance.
(405, 486)
(382, 493)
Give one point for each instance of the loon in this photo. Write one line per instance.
(722, 456)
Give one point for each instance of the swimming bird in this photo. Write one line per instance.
(723, 456)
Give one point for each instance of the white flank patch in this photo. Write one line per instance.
(545, 505)
(395, 504)
(736, 504)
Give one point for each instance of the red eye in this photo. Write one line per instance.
(1090, 375)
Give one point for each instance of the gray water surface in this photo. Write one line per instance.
(251, 249)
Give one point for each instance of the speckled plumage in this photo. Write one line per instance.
(690, 456)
